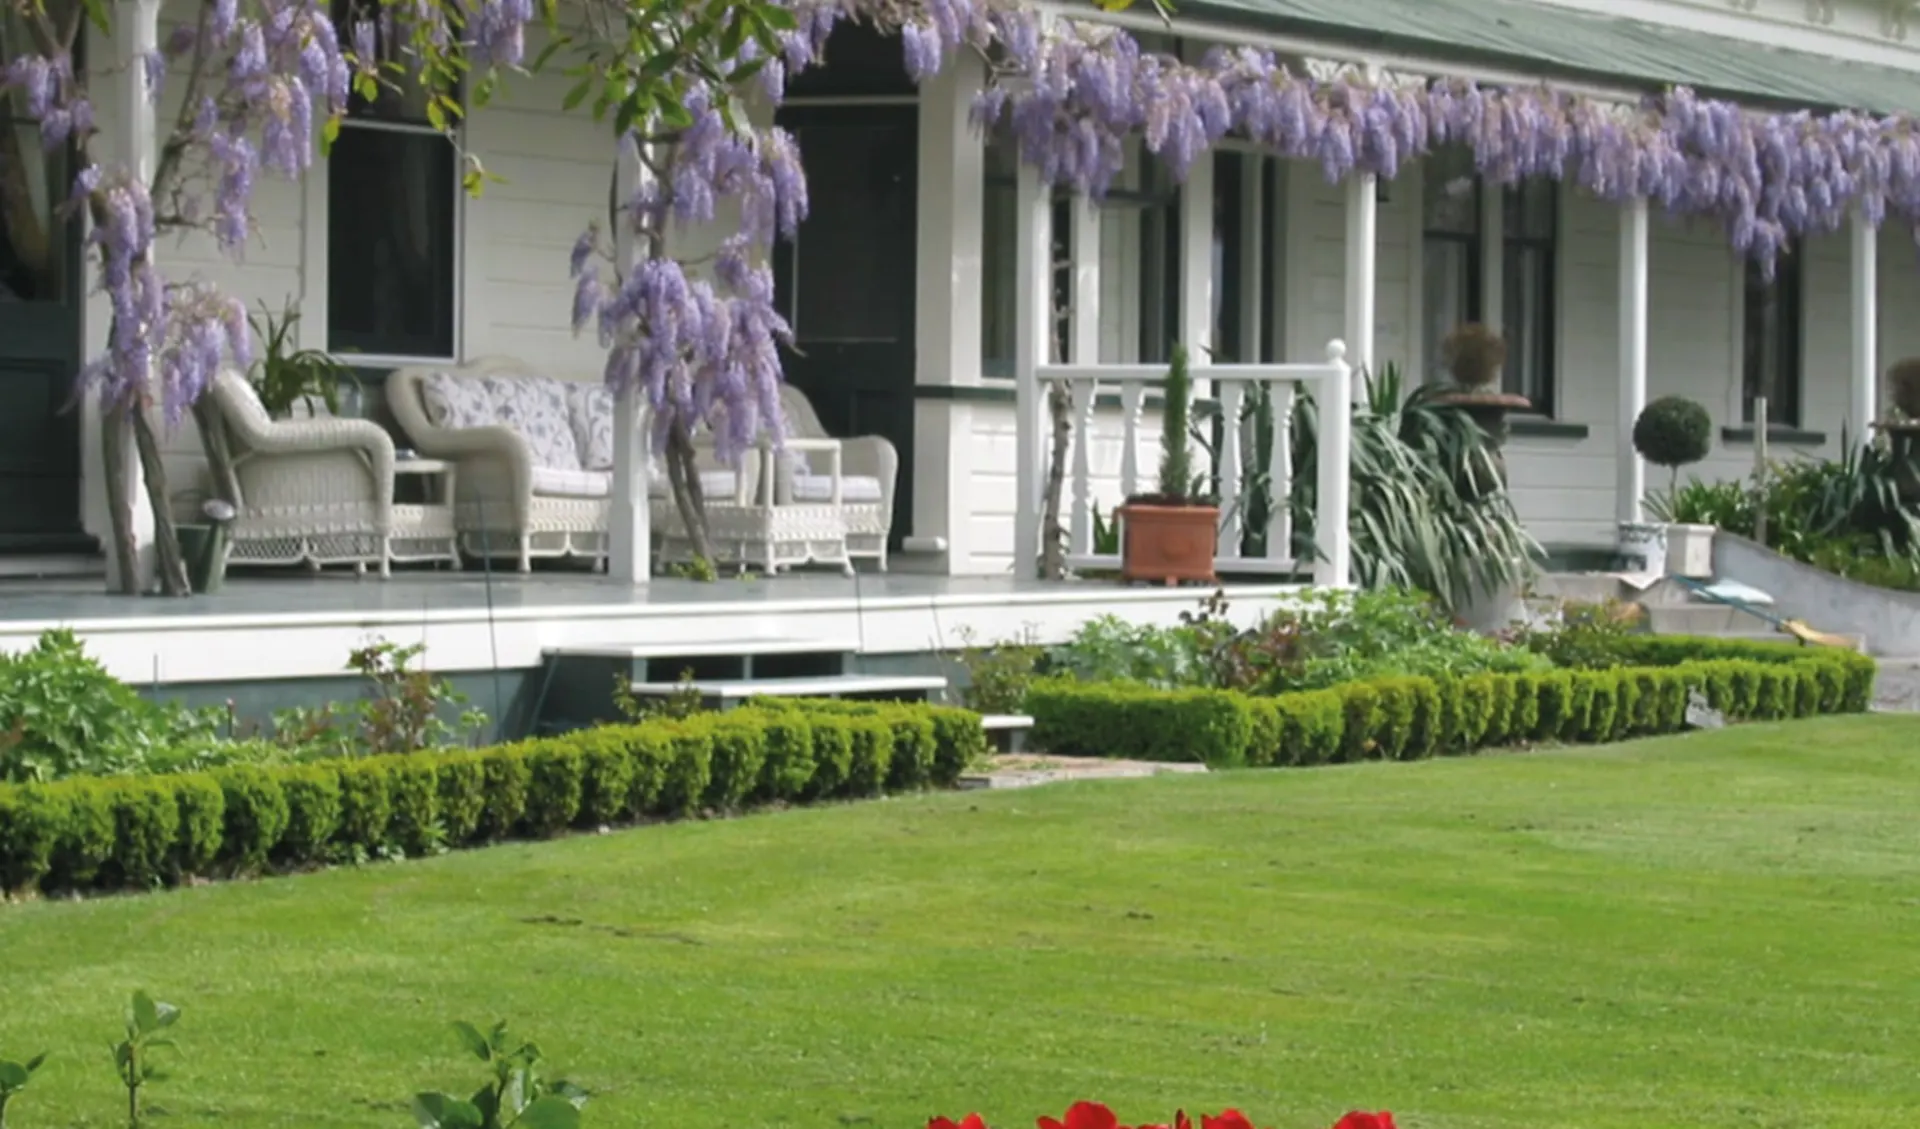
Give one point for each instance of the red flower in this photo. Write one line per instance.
(970, 1121)
(1086, 1115)
(1358, 1120)
(1228, 1119)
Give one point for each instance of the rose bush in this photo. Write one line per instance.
(1093, 1115)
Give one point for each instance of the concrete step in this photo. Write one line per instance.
(731, 691)
(1579, 587)
(758, 645)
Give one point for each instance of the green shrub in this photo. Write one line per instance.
(86, 831)
(366, 806)
(146, 824)
(1135, 722)
(32, 822)
(313, 813)
(202, 809)
(557, 781)
(62, 715)
(1411, 717)
(255, 816)
(460, 785)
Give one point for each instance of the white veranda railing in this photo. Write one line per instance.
(1233, 474)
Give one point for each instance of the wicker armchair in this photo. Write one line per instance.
(313, 492)
(869, 465)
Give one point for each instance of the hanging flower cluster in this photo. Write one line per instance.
(1076, 94)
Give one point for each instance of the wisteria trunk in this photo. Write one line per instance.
(1053, 557)
(115, 430)
(683, 479)
(213, 442)
(166, 539)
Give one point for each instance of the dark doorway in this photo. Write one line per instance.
(39, 346)
(846, 282)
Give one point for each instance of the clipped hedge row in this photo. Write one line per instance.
(120, 832)
(1410, 718)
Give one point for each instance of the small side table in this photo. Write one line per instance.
(424, 530)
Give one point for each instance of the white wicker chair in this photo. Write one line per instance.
(869, 467)
(314, 491)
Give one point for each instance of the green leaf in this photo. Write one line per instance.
(166, 1014)
(12, 1076)
(549, 1113)
(144, 1015)
(776, 17)
(577, 95)
(471, 1038)
(438, 1111)
(33, 1063)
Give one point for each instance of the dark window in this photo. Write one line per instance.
(392, 195)
(1770, 352)
(1454, 268)
(1450, 252)
(1526, 290)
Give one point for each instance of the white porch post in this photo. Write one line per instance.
(1630, 485)
(136, 32)
(1363, 227)
(949, 239)
(1032, 322)
(1334, 567)
(629, 532)
(1084, 349)
(1196, 262)
(1862, 405)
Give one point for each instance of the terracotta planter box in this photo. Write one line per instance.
(1168, 544)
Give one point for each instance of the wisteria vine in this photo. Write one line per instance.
(267, 79)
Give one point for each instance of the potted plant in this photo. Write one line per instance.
(1902, 426)
(285, 376)
(1473, 355)
(1171, 536)
(1672, 432)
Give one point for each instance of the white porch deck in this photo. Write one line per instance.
(297, 627)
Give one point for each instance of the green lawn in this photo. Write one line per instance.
(1713, 930)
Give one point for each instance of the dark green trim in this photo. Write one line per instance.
(49, 544)
(964, 393)
(1001, 394)
(1784, 436)
(1536, 427)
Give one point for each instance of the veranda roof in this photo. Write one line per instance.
(1566, 42)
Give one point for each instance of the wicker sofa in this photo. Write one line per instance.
(535, 458)
(314, 491)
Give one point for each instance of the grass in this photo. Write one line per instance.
(1712, 930)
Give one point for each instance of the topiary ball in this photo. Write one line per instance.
(1673, 432)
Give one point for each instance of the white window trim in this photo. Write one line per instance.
(313, 329)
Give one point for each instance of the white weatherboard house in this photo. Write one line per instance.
(916, 287)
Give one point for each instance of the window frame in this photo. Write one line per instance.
(1489, 247)
(1789, 330)
(363, 118)
(1547, 246)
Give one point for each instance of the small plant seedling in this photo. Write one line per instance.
(133, 1056)
(517, 1096)
(14, 1077)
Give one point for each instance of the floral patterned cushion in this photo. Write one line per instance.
(536, 408)
(590, 406)
(454, 403)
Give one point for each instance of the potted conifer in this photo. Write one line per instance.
(1171, 535)
(1672, 432)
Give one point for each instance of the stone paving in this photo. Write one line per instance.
(1898, 686)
